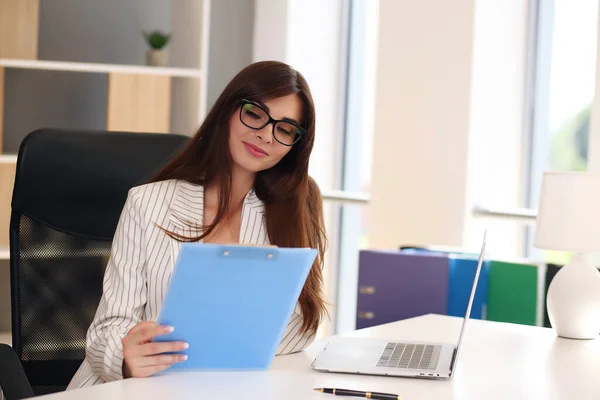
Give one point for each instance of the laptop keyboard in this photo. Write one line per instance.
(409, 356)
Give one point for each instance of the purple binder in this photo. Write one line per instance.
(394, 286)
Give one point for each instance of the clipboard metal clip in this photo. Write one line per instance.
(249, 252)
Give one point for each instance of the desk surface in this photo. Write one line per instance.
(498, 361)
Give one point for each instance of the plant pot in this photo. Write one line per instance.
(157, 58)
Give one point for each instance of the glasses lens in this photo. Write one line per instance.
(253, 116)
(286, 133)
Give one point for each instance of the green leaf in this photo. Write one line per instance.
(157, 39)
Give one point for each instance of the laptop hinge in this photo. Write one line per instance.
(452, 362)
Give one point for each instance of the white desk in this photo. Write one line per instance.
(498, 361)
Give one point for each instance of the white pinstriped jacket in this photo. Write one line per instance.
(140, 266)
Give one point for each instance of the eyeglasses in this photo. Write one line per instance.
(255, 117)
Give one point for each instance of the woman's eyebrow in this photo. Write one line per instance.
(290, 120)
(286, 119)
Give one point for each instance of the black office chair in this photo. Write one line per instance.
(13, 382)
(70, 187)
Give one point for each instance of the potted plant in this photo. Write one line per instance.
(157, 54)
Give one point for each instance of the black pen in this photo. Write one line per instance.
(357, 393)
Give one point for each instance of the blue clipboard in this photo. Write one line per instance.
(232, 303)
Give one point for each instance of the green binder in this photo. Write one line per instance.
(512, 292)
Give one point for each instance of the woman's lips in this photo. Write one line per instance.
(255, 150)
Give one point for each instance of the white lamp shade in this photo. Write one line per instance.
(569, 212)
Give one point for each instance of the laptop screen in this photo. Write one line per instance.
(470, 303)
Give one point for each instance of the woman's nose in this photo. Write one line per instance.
(265, 134)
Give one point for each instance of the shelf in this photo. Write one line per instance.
(100, 68)
(8, 158)
(6, 337)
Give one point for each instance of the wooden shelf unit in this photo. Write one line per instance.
(138, 98)
(100, 68)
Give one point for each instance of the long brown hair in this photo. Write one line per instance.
(293, 203)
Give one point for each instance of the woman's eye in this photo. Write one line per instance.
(284, 131)
(252, 115)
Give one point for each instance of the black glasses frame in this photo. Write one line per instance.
(301, 132)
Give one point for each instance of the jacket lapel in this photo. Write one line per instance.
(252, 229)
(187, 208)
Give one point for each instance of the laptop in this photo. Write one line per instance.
(396, 357)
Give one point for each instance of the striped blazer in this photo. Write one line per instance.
(140, 266)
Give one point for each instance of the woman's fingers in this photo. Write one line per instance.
(161, 359)
(143, 357)
(145, 331)
(153, 348)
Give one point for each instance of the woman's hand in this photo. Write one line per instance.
(142, 357)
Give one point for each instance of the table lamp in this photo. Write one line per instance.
(569, 220)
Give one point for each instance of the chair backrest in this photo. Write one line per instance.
(70, 187)
(13, 382)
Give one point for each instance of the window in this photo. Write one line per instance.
(358, 138)
(572, 72)
(563, 89)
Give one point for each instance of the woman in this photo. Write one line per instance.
(243, 178)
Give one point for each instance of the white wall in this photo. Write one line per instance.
(270, 30)
(449, 122)
(419, 182)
